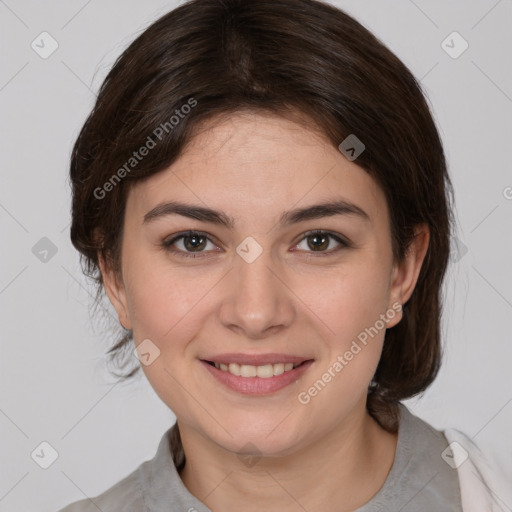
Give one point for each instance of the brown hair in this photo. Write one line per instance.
(284, 57)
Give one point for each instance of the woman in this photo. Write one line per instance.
(262, 193)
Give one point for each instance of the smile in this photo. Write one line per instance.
(260, 379)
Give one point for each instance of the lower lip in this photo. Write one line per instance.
(257, 385)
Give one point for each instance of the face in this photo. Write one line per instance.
(246, 271)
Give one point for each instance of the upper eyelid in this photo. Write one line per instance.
(174, 238)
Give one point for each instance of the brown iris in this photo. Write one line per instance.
(320, 241)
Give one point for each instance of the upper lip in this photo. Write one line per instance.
(255, 359)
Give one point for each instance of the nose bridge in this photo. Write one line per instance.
(257, 299)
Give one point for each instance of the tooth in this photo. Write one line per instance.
(247, 370)
(278, 369)
(265, 371)
(234, 368)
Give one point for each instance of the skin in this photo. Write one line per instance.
(291, 299)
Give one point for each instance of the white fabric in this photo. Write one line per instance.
(483, 488)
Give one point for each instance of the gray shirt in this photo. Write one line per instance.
(419, 480)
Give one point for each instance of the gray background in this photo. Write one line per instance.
(54, 384)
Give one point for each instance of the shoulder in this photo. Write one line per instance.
(150, 483)
(483, 486)
(124, 495)
(420, 476)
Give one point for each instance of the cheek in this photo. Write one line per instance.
(349, 300)
(352, 311)
(350, 304)
(162, 300)
(168, 308)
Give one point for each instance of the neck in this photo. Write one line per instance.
(339, 472)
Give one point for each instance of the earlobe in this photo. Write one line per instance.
(114, 288)
(405, 273)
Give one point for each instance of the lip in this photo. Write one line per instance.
(257, 386)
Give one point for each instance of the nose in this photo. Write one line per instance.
(258, 302)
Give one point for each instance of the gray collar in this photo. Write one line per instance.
(161, 486)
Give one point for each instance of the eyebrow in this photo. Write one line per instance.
(317, 211)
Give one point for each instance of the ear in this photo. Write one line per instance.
(405, 273)
(115, 290)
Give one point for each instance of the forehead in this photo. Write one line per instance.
(258, 164)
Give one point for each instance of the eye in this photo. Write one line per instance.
(194, 244)
(319, 241)
(188, 243)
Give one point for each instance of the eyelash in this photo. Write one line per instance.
(168, 244)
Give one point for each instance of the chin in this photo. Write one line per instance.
(271, 438)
